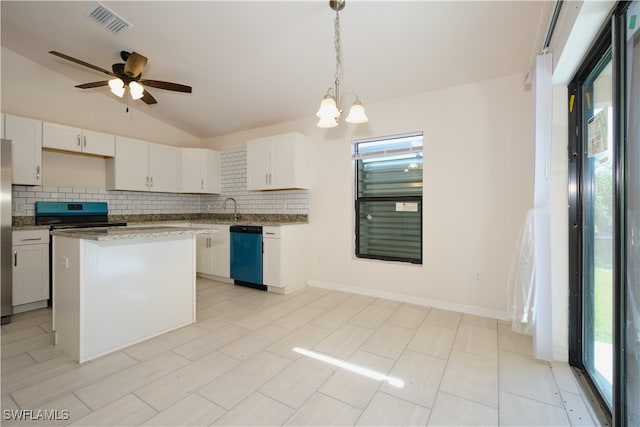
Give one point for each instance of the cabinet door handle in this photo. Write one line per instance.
(202, 184)
(147, 183)
(85, 141)
(38, 172)
(266, 178)
(15, 258)
(268, 232)
(78, 140)
(31, 239)
(151, 181)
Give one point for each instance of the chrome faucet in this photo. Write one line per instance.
(236, 216)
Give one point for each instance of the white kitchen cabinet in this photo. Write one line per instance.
(213, 250)
(164, 164)
(26, 149)
(284, 257)
(201, 171)
(30, 269)
(143, 166)
(278, 162)
(67, 138)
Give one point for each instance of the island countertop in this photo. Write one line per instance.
(122, 233)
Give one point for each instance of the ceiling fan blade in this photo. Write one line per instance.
(166, 85)
(134, 64)
(93, 84)
(148, 99)
(77, 61)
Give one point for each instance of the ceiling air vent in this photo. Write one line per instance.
(108, 18)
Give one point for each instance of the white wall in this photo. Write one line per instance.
(478, 180)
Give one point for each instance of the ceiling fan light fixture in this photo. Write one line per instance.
(117, 87)
(136, 90)
(356, 113)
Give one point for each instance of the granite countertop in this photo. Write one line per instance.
(28, 222)
(30, 227)
(121, 233)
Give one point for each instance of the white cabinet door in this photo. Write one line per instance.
(277, 162)
(213, 172)
(101, 144)
(60, 137)
(201, 171)
(26, 149)
(30, 274)
(221, 251)
(30, 266)
(213, 250)
(163, 167)
(129, 169)
(284, 171)
(67, 138)
(204, 259)
(258, 164)
(271, 262)
(193, 165)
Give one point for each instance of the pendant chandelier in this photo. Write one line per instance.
(330, 110)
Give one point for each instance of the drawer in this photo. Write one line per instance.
(30, 237)
(271, 231)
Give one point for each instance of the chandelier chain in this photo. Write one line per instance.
(336, 42)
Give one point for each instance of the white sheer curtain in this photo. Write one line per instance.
(543, 93)
(530, 275)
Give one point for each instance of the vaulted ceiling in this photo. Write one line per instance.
(256, 63)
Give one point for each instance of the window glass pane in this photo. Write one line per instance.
(390, 229)
(390, 176)
(598, 220)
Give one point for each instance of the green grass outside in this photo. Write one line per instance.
(603, 305)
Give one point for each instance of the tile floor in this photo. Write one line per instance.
(236, 366)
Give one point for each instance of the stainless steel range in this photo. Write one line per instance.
(58, 215)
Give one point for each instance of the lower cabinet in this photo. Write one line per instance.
(284, 257)
(30, 269)
(213, 250)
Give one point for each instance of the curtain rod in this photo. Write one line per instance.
(552, 26)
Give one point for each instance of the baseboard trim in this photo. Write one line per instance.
(426, 302)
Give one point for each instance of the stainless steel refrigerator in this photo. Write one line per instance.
(5, 231)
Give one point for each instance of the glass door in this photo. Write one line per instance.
(597, 225)
(604, 215)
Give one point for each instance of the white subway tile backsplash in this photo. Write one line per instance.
(234, 184)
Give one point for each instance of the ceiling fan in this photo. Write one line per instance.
(127, 74)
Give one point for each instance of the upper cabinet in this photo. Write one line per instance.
(143, 166)
(26, 149)
(278, 162)
(201, 171)
(68, 138)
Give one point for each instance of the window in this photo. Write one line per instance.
(388, 175)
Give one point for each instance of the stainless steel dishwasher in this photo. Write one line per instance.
(246, 255)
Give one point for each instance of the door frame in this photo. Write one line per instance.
(611, 35)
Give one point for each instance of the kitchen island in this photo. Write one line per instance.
(113, 287)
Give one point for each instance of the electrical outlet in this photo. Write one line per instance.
(477, 277)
